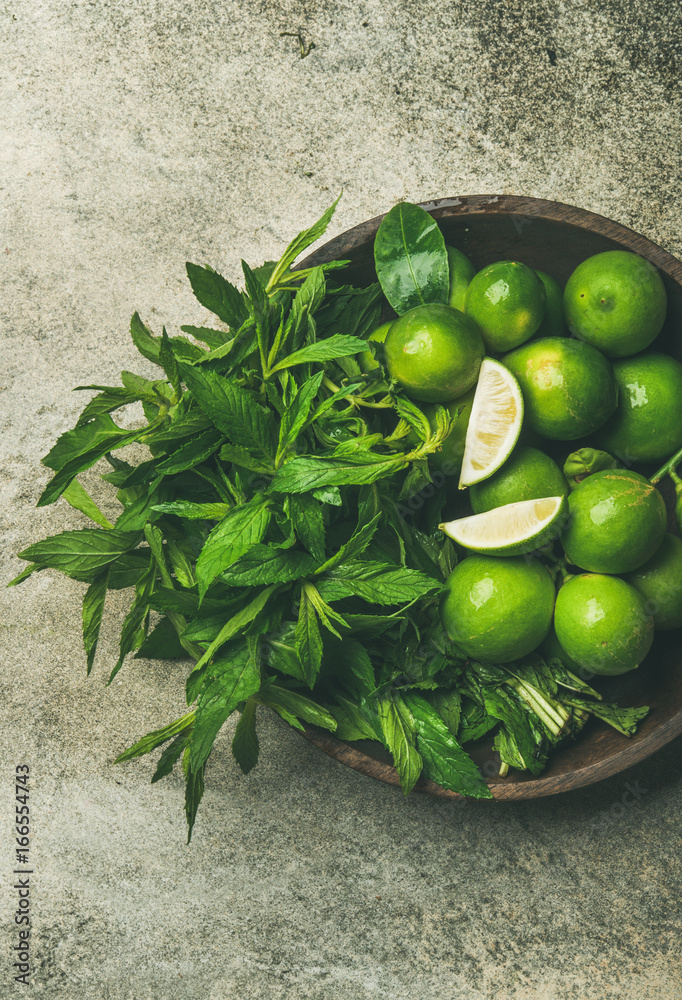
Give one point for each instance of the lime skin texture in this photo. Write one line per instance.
(602, 624)
(434, 352)
(461, 273)
(528, 474)
(659, 581)
(615, 301)
(497, 610)
(568, 387)
(553, 323)
(507, 302)
(616, 522)
(647, 425)
(366, 359)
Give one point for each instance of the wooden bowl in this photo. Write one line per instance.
(554, 238)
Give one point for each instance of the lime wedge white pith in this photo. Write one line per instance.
(510, 530)
(494, 424)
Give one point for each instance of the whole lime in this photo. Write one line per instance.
(551, 649)
(647, 425)
(461, 273)
(528, 474)
(659, 581)
(497, 610)
(366, 359)
(616, 522)
(553, 324)
(507, 302)
(434, 352)
(568, 387)
(615, 301)
(602, 623)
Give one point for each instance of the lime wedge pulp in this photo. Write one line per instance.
(494, 424)
(510, 530)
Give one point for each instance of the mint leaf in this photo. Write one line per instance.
(304, 474)
(217, 295)
(71, 444)
(86, 550)
(234, 411)
(194, 791)
(194, 511)
(353, 723)
(162, 643)
(93, 606)
(245, 741)
(193, 453)
(445, 762)
(109, 399)
(355, 546)
(148, 345)
(292, 704)
(84, 460)
(212, 338)
(133, 631)
(308, 639)
(625, 720)
(299, 244)
(80, 499)
(338, 346)
(153, 740)
(171, 754)
(241, 528)
(296, 414)
(377, 583)
(232, 678)
(399, 736)
(231, 628)
(263, 564)
(308, 523)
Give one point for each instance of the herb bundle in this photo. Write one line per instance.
(272, 536)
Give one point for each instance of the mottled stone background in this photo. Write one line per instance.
(135, 136)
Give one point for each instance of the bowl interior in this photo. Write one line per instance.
(554, 238)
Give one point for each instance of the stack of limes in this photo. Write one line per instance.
(564, 372)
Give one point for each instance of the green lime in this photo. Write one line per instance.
(615, 301)
(553, 325)
(617, 521)
(659, 581)
(461, 273)
(647, 426)
(528, 474)
(551, 649)
(507, 302)
(498, 610)
(603, 624)
(434, 352)
(568, 387)
(449, 459)
(366, 359)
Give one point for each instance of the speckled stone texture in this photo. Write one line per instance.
(134, 137)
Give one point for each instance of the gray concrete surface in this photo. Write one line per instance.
(136, 136)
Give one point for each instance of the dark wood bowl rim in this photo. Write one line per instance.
(631, 753)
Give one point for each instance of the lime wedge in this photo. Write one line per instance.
(494, 424)
(510, 530)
